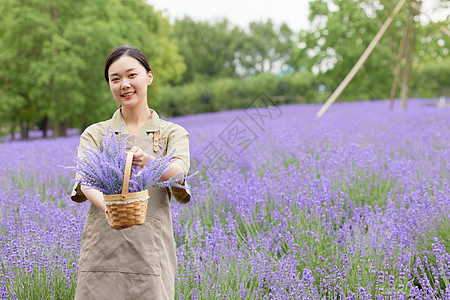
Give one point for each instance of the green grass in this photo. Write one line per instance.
(38, 284)
(439, 233)
(362, 265)
(312, 244)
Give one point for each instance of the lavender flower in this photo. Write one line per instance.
(370, 188)
(104, 170)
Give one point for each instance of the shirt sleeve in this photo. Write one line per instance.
(178, 140)
(88, 138)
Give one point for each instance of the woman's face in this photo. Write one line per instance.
(128, 81)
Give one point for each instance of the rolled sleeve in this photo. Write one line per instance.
(178, 141)
(88, 138)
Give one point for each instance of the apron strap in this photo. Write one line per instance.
(156, 141)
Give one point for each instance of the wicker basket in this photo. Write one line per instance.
(127, 209)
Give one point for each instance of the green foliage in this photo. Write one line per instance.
(208, 49)
(341, 30)
(37, 284)
(228, 93)
(433, 65)
(53, 55)
(439, 233)
(340, 34)
(431, 79)
(218, 50)
(264, 47)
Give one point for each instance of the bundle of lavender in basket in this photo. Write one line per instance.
(124, 187)
(104, 170)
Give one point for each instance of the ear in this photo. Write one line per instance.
(149, 78)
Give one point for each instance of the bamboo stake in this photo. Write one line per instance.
(408, 68)
(361, 60)
(445, 30)
(398, 65)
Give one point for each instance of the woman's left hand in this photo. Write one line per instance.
(140, 158)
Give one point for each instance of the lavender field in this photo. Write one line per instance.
(354, 205)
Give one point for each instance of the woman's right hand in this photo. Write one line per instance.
(96, 198)
(111, 224)
(140, 158)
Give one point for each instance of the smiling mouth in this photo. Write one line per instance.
(128, 95)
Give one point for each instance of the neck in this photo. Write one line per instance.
(135, 117)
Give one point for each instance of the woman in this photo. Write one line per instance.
(137, 262)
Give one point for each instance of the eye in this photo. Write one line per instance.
(115, 79)
(133, 75)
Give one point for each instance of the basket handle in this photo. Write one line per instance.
(127, 174)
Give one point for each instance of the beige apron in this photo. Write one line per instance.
(134, 263)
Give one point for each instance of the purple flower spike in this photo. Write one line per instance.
(104, 170)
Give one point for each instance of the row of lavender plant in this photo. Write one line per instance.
(40, 229)
(350, 206)
(344, 207)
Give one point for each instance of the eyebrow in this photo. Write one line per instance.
(115, 74)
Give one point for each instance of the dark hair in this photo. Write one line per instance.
(120, 51)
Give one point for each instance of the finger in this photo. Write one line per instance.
(137, 157)
(135, 149)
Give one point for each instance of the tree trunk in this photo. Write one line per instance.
(43, 126)
(24, 130)
(60, 128)
(12, 131)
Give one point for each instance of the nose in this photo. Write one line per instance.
(125, 84)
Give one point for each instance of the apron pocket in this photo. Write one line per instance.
(140, 248)
(99, 245)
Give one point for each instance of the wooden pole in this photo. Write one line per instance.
(408, 67)
(398, 65)
(445, 30)
(409, 53)
(361, 60)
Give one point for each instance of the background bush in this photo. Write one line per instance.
(237, 93)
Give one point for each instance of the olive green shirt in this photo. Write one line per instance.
(171, 136)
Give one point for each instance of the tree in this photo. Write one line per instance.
(208, 49)
(341, 30)
(265, 48)
(18, 50)
(53, 53)
(432, 62)
(218, 50)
